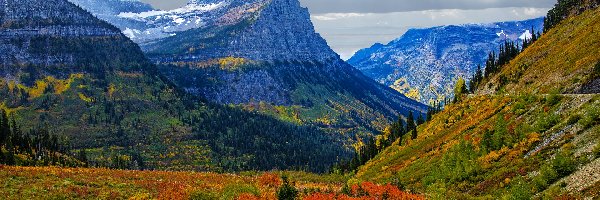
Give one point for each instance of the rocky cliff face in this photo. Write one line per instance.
(262, 30)
(424, 64)
(282, 31)
(56, 34)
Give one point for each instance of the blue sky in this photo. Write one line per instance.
(349, 25)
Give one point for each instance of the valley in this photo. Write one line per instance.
(231, 99)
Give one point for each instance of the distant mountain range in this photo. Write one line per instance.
(263, 55)
(424, 64)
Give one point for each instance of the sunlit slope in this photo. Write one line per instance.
(478, 146)
(563, 60)
(518, 139)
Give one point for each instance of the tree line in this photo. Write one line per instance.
(495, 61)
(564, 8)
(397, 131)
(37, 147)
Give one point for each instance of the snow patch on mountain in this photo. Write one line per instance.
(526, 35)
(189, 8)
(501, 34)
(130, 33)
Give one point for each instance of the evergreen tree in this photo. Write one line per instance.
(287, 191)
(490, 65)
(4, 127)
(420, 120)
(411, 126)
(82, 156)
(534, 36)
(477, 78)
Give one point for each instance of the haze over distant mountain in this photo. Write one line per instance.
(424, 64)
(265, 55)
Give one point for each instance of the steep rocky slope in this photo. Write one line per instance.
(272, 60)
(424, 64)
(276, 30)
(525, 140)
(82, 79)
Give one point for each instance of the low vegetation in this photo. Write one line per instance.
(497, 151)
(84, 183)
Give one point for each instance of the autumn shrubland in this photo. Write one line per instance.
(85, 183)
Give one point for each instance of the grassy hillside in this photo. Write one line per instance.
(479, 146)
(563, 60)
(519, 137)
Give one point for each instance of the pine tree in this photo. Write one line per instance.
(476, 80)
(287, 191)
(83, 157)
(490, 65)
(420, 120)
(4, 127)
(534, 35)
(414, 133)
(411, 126)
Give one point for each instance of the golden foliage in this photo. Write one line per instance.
(226, 63)
(111, 90)
(271, 180)
(41, 86)
(84, 98)
(231, 63)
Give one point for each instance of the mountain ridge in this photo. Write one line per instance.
(425, 63)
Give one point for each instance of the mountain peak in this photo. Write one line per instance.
(264, 30)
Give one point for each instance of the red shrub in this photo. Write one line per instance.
(269, 180)
(368, 191)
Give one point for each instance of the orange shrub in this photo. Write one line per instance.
(269, 180)
(247, 196)
(368, 191)
(173, 191)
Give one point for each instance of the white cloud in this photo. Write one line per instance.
(390, 6)
(348, 32)
(435, 14)
(533, 11)
(337, 16)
